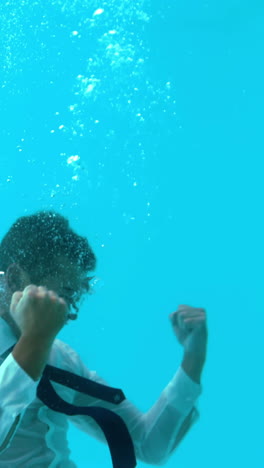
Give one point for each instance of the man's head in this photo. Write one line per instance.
(42, 249)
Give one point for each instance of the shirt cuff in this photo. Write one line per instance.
(12, 377)
(182, 392)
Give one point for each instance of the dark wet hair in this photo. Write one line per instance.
(33, 242)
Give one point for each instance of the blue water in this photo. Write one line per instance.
(142, 122)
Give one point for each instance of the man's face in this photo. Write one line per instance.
(68, 281)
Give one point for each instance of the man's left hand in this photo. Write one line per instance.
(189, 326)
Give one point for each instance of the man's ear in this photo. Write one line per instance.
(17, 278)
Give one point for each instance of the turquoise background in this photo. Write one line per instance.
(165, 120)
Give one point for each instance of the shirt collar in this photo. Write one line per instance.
(7, 336)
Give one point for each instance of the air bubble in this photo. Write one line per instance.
(99, 11)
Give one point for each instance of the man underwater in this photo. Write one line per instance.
(44, 266)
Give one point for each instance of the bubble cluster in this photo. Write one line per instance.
(87, 61)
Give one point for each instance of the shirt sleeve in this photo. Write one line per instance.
(13, 402)
(156, 433)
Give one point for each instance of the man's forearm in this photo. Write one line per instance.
(32, 355)
(193, 366)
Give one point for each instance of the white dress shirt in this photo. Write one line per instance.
(33, 435)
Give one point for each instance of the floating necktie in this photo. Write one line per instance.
(115, 431)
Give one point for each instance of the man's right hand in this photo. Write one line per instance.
(39, 313)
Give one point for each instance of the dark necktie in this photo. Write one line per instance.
(115, 431)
